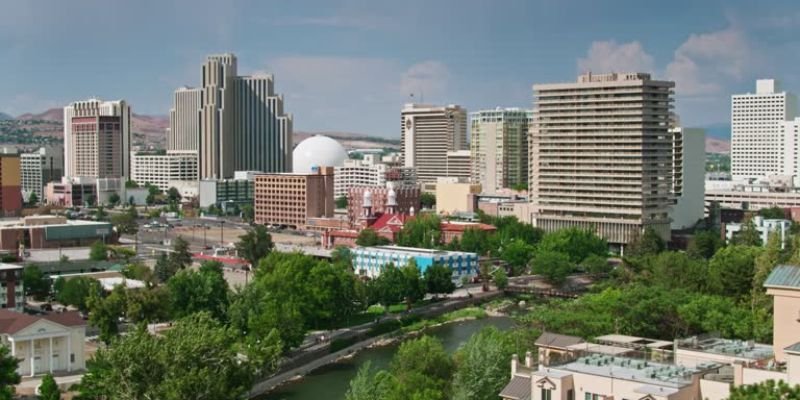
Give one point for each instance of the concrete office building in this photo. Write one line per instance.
(369, 171)
(427, 134)
(40, 167)
(290, 199)
(764, 227)
(161, 169)
(757, 130)
(226, 193)
(459, 165)
(233, 122)
(183, 133)
(688, 161)
(97, 139)
(499, 147)
(601, 155)
(263, 140)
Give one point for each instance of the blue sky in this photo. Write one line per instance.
(350, 65)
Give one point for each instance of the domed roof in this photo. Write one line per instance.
(317, 151)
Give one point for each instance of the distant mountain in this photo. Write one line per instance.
(719, 131)
(53, 114)
(715, 145)
(351, 140)
(5, 117)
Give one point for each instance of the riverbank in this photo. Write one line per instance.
(386, 332)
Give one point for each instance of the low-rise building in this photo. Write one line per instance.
(161, 169)
(406, 200)
(290, 199)
(370, 261)
(455, 197)
(11, 285)
(51, 343)
(765, 227)
(50, 232)
(454, 230)
(225, 193)
(39, 168)
(10, 184)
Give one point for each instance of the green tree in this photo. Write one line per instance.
(517, 253)
(768, 390)
(129, 184)
(765, 262)
(595, 264)
(575, 242)
(204, 290)
(248, 213)
(773, 212)
(554, 266)
(150, 199)
(164, 269)
(367, 385)
(255, 244)
(105, 312)
(113, 199)
(423, 369)
(49, 390)
(148, 305)
(475, 241)
(139, 272)
(413, 286)
(8, 373)
(387, 288)
(100, 214)
(33, 199)
(439, 279)
(90, 201)
(427, 200)
(368, 237)
(126, 222)
(500, 278)
(704, 244)
(482, 365)
(35, 283)
(676, 270)
(342, 254)
(520, 187)
(748, 236)
(173, 195)
(647, 244)
(423, 231)
(180, 257)
(341, 202)
(732, 269)
(98, 251)
(76, 291)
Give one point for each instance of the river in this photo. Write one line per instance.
(332, 381)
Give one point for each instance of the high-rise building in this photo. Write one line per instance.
(162, 169)
(39, 168)
(290, 199)
(427, 134)
(263, 140)
(601, 155)
(97, 139)
(233, 122)
(184, 120)
(459, 164)
(499, 146)
(757, 130)
(369, 171)
(689, 163)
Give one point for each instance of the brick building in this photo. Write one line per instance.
(289, 199)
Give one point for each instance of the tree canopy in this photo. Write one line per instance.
(576, 243)
(255, 244)
(768, 390)
(368, 237)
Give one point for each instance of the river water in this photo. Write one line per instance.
(332, 381)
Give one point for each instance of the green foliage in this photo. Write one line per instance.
(148, 305)
(129, 184)
(675, 270)
(105, 312)
(126, 222)
(427, 200)
(49, 390)
(248, 213)
(773, 212)
(500, 278)
(731, 270)
(139, 272)
(76, 291)
(517, 253)
(595, 264)
(173, 195)
(423, 231)
(554, 266)
(33, 199)
(113, 199)
(342, 255)
(163, 269)
(520, 187)
(255, 244)
(100, 214)
(647, 244)
(475, 241)
(180, 256)
(748, 236)
(575, 242)
(36, 284)
(768, 390)
(439, 279)
(482, 365)
(368, 237)
(98, 251)
(8, 373)
(205, 290)
(196, 359)
(705, 244)
(341, 202)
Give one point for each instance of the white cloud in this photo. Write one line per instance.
(609, 56)
(336, 21)
(706, 63)
(426, 78)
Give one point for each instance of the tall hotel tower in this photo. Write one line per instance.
(97, 139)
(428, 133)
(499, 145)
(601, 155)
(233, 122)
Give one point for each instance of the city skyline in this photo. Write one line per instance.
(368, 53)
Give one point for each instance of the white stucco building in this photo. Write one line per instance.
(370, 171)
(765, 227)
(47, 344)
(161, 169)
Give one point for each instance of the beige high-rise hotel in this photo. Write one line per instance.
(427, 134)
(97, 139)
(601, 155)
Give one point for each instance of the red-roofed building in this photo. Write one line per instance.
(44, 344)
(455, 229)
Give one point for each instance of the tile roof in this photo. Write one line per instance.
(784, 276)
(12, 322)
(518, 389)
(555, 340)
(391, 222)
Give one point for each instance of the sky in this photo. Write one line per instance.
(350, 65)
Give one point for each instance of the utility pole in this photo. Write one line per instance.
(221, 230)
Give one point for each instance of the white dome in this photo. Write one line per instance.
(317, 151)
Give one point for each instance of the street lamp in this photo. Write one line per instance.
(221, 230)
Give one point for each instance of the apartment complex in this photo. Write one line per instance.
(11, 286)
(226, 193)
(459, 165)
(688, 161)
(10, 184)
(97, 139)
(369, 171)
(290, 199)
(499, 147)
(371, 261)
(40, 167)
(427, 134)
(601, 155)
(757, 130)
(161, 169)
(233, 122)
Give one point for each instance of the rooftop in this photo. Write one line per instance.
(728, 347)
(637, 370)
(632, 341)
(784, 276)
(555, 340)
(12, 322)
(5, 267)
(414, 251)
(20, 223)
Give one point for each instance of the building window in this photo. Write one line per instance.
(547, 394)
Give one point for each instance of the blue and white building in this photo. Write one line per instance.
(370, 261)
